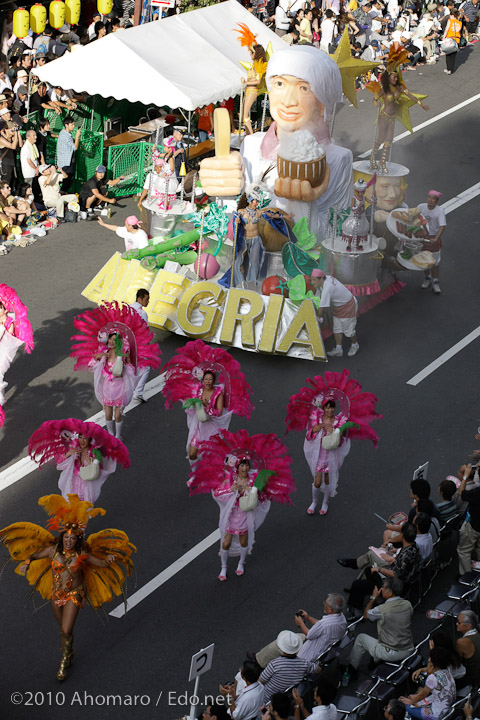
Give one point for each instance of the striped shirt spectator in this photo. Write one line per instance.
(287, 670)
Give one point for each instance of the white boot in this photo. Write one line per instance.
(223, 572)
(315, 498)
(326, 497)
(241, 563)
(118, 433)
(110, 427)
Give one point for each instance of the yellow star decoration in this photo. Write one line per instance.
(350, 67)
(262, 88)
(404, 105)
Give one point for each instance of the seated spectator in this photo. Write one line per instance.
(316, 640)
(39, 102)
(15, 211)
(93, 192)
(62, 99)
(20, 102)
(135, 238)
(288, 669)
(49, 181)
(246, 696)
(100, 30)
(404, 566)
(395, 710)
(470, 531)
(447, 508)
(441, 639)
(422, 522)
(324, 693)
(394, 627)
(437, 697)
(215, 712)
(419, 490)
(468, 646)
(37, 213)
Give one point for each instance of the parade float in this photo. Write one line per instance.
(236, 269)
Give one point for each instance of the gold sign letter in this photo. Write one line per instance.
(304, 331)
(106, 280)
(271, 324)
(244, 307)
(165, 294)
(191, 301)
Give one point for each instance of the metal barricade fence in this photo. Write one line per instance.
(133, 161)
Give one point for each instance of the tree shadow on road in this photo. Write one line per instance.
(26, 411)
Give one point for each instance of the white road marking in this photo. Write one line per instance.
(166, 574)
(416, 379)
(425, 124)
(449, 206)
(25, 466)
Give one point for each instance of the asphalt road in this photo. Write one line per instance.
(293, 564)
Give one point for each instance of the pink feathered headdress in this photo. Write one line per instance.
(22, 325)
(265, 452)
(360, 406)
(181, 383)
(49, 443)
(89, 324)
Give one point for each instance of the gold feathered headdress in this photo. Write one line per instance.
(397, 56)
(71, 515)
(245, 35)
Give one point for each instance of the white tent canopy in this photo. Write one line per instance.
(184, 61)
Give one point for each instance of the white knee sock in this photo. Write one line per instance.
(243, 557)
(326, 497)
(110, 427)
(118, 433)
(315, 497)
(224, 560)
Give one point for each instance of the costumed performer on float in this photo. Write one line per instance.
(304, 86)
(212, 387)
(255, 73)
(331, 409)
(15, 331)
(248, 246)
(393, 101)
(67, 569)
(160, 186)
(244, 474)
(344, 309)
(84, 452)
(355, 228)
(114, 342)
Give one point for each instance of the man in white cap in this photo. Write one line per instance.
(304, 87)
(135, 238)
(436, 223)
(49, 182)
(288, 669)
(344, 308)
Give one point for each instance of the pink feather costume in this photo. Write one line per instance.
(184, 373)
(215, 472)
(355, 406)
(15, 331)
(93, 328)
(51, 442)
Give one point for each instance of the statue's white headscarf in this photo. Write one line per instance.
(314, 66)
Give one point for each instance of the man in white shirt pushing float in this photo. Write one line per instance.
(344, 307)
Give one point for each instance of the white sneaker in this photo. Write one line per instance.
(354, 348)
(426, 283)
(436, 288)
(336, 352)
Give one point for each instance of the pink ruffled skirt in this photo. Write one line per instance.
(237, 522)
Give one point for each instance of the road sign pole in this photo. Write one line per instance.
(195, 696)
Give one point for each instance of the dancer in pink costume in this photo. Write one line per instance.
(332, 409)
(15, 331)
(244, 474)
(212, 388)
(84, 452)
(114, 342)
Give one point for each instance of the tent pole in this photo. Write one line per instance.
(188, 130)
(91, 114)
(28, 95)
